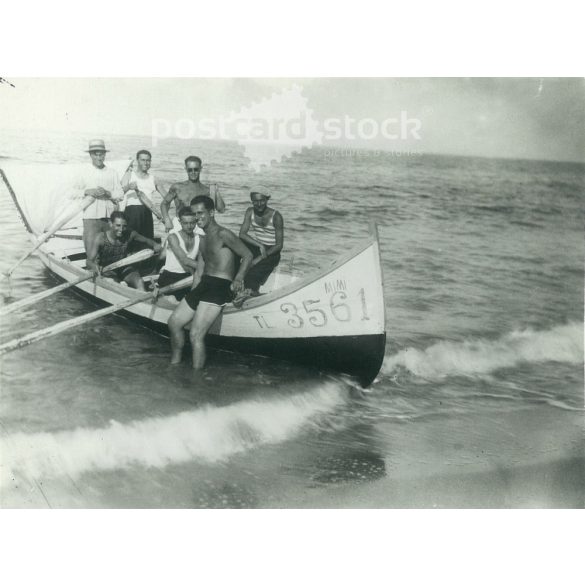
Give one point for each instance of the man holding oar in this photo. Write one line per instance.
(140, 186)
(182, 248)
(103, 184)
(219, 250)
(182, 193)
(111, 246)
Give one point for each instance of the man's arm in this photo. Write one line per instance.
(94, 247)
(246, 228)
(160, 188)
(148, 203)
(187, 263)
(279, 233)
(117, 193)
(217, 198)
(238, 247)
(125, 182)
(166, 205)
(135, 236)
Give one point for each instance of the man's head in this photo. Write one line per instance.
(259, 197)
(97, 152)
(118, 223)
(143, 158)
(193, 166)
(204, 210)
(187, 219)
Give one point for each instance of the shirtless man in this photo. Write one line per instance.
(219, 249)
(182, 193)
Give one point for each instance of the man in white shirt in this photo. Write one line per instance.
(103, 184)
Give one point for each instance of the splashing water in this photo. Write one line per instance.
(211, 434)
(563, 343)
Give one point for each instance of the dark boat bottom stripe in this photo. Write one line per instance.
(359, 355)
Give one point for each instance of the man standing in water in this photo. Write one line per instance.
(182, 193)
(219, 249)
(103, 184)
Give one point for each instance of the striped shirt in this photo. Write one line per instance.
(264, 234)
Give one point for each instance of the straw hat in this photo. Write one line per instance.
(97, 145)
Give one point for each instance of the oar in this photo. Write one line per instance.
(74, 211)
(70, 323)
(138, 257)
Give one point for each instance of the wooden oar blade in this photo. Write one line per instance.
(82, 319)
(138, 257)
(41, 295)
(188, 281)
(69, 324)
(60, 222)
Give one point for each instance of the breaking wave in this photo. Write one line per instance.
(211, 434)
(563, 343)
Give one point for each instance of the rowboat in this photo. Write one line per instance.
(333, 319)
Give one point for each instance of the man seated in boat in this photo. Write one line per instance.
(220, 249)
(139, 186)
(182, 250)
(263, 232)
(183, 192)
(103, 184)
(110, 246)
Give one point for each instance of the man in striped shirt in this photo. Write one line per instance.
(263, 232)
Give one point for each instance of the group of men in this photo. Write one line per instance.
(225, 267)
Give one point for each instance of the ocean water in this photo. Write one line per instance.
(479, 402)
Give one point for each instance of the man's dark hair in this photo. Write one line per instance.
(193, 159)
(143, 152)
(118, 214)
(186, 211)
(207, 202)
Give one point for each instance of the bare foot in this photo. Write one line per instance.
(176, 359)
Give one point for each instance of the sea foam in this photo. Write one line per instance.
(210, 434)
(563, 343)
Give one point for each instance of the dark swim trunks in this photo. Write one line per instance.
(211, 289)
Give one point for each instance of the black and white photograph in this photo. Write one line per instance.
(289, 293)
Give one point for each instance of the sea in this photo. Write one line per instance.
(479, 402)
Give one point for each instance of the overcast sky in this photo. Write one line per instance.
(507, 117)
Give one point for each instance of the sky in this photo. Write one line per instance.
(495, 117)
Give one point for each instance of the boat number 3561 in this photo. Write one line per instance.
(316, 313)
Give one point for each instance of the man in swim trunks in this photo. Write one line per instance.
(182, 193)
(183, 246)
(111, 246)
(219, 250)
(263, 232)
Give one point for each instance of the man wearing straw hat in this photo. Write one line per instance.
(103, 184)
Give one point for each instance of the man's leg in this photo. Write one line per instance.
(258, 274)
(91, 228)
(134, 280)
(206, 314)
(180, 317)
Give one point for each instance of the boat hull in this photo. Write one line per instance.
(333, 319)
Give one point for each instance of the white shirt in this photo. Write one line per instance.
(144, 184)
(90, 178)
